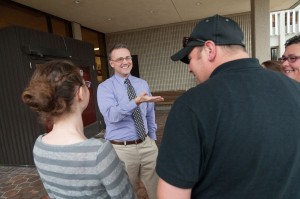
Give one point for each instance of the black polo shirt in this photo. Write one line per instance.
(237, 135)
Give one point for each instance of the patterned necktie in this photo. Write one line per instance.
(137, 115)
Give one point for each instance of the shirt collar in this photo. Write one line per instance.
(121, 79)
(236, 64)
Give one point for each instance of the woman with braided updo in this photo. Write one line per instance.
(69, 164)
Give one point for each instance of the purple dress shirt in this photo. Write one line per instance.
(117, 109)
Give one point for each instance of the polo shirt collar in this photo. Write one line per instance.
(236, 65)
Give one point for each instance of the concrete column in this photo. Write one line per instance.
(282, 38)
(260, 29)
(76, 30)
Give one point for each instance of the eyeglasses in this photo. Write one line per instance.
(121, 59)
(290, 59)
(88, 84)
(187, 40)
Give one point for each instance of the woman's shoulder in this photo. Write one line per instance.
(91, 145)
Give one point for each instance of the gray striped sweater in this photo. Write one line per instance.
(89, 169)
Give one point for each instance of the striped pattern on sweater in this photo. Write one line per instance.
(89, 169)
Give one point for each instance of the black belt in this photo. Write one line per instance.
(127, 142)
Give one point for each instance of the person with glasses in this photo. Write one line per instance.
(236, 134)
(290, 60)
(127, 107)
(69, 164)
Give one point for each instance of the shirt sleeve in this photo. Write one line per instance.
(179, 156)
(110, 108)
(150, 116)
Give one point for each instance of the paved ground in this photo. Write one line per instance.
(24, 182)
(20, 182)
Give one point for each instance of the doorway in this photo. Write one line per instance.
(135, 66)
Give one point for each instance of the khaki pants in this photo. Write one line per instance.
(140, 160)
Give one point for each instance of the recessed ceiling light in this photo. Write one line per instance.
(109, 19)
(77, 1)
(198, 3)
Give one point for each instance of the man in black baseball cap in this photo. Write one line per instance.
(231, 136)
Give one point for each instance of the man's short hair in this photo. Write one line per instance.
(117, 46)
(293, 40)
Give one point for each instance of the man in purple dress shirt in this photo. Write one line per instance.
(138, 154)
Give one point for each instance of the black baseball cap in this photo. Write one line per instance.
(221, 30)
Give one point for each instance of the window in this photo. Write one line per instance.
(98, 41)
(60, 27)
(12, 14)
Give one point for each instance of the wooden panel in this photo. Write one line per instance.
(19, 126)
(17, 135)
